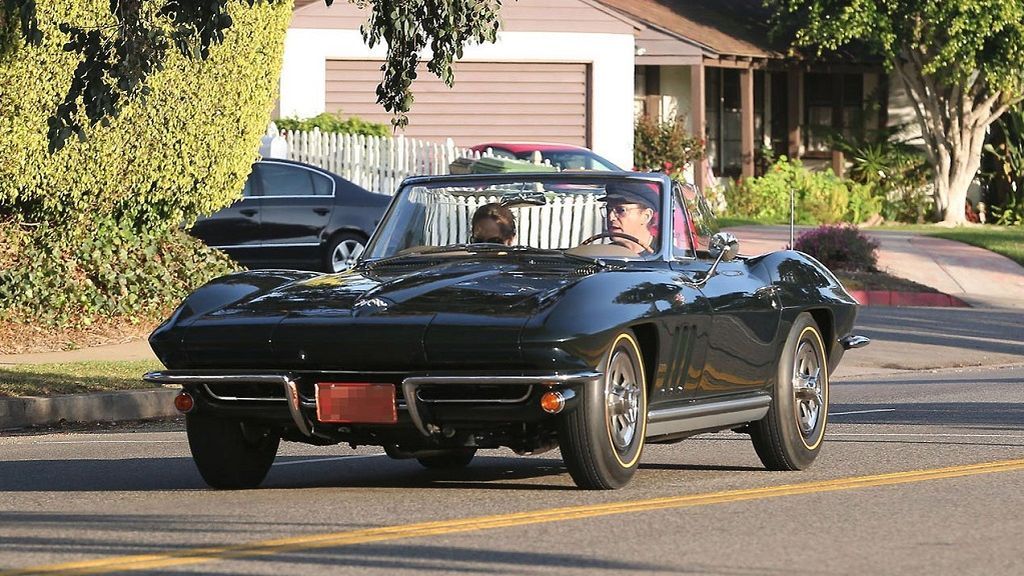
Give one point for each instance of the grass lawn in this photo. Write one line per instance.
(73, 378)
(1005, 240)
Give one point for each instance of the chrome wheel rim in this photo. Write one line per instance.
(808, 387)
(345, 255)
(622, 393)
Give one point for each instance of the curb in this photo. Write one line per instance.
(23, 411)
(893, 298)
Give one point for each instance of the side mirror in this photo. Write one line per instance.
(724, 246)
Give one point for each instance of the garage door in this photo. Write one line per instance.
(489, 101)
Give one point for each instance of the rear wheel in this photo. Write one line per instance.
(342, 251)
(601, 440)
(789, 437)
(229, 453)
(448, 460)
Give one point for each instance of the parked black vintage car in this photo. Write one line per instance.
(617, 315)
(293, 215)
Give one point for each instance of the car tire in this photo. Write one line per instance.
(229, 453)
(601, 440)
(342, 251)
(789, 437)
(449, 460)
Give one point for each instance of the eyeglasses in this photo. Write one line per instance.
(619, 210)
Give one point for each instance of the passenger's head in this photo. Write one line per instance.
(494, 223)
(631, 207)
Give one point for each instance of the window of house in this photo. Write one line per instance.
(833, 103)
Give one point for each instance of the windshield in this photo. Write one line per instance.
(611, 216)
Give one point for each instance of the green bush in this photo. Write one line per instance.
(335, 122)
(183, 151)
(821, 197)
(840, 248)
(60, 276)
(93, 230)
(664, 146)
(897, 171)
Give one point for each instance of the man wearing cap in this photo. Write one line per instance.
(630, 209)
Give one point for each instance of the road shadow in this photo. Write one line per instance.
(996, 416)
(994, 331)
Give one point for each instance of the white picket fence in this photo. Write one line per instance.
(375, 163)
(563, 222)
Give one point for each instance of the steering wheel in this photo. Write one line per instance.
(590, 240)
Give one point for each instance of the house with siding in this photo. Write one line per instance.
(578, 71)
(561, 71)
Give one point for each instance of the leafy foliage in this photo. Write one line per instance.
(962, 64)
(1008, 153)
(92, 230)
(116, 53)
(664, 146)
(53, 275)
(897, 172)
(183, 152)
(840, 248)
(820, 197)
(334, 122)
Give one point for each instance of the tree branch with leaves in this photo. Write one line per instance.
(116, 58)
(962, 64)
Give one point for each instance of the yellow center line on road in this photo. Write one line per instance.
(349, 538)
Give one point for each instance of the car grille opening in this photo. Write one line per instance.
(480, 393)
(246, 392)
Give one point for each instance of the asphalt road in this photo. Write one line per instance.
(922, 473)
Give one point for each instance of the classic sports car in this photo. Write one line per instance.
(610, 314)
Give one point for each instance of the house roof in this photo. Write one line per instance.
(720, 27)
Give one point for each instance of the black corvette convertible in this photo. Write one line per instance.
(611, 313)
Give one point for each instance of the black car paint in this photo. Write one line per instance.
(521, 313)
(264, 230)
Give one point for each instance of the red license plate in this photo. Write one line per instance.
(346, 402)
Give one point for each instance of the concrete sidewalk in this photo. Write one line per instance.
(981, 278)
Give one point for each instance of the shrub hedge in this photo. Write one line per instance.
(842, 247)
(821, 196)
(95, 227)
(183, 151)
(335, 122)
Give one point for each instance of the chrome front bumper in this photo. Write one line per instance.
(289, 382)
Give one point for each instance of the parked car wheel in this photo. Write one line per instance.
(229, 453)
(343, 250)
(601, 440)
(789, 437)
(449, 460)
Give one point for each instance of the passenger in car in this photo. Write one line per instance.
(494, 223)
(631, 208)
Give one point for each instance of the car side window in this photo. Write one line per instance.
(322, 185)
(702, 220)
(249, 190)
(282, 180)
(682, 235)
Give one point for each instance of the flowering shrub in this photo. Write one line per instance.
(840, 248)
(664, 147)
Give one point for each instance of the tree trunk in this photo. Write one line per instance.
(953, 120)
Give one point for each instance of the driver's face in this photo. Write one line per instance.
(629, 219)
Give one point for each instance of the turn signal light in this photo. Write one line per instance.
(184, 402)
(552, 402)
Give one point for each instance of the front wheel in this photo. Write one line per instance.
(789, 437)
(601, 440)
(230, 454)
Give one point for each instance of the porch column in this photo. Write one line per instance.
(698, 122)
(747, 121)
(794, 94)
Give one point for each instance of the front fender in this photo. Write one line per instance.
(167, 339)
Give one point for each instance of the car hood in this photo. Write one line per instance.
(459, 313)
